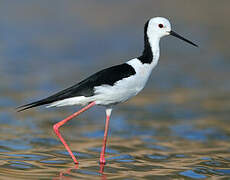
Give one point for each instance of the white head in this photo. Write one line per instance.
(159, 27)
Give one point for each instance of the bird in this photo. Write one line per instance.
(113, 85)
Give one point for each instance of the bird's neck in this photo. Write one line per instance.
(151, 52)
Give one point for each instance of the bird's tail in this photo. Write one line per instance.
(34, 104)
(66, 93)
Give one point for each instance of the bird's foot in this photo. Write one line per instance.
(102, 161)
(76, 162)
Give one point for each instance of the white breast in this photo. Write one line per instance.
(126, 88)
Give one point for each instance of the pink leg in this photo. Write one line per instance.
(103, 176)
(102, 157)
(59, 124)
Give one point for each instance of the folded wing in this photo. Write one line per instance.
(85, 88)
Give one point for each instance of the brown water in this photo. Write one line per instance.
(177, 128)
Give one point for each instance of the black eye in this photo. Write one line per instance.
(160, 25)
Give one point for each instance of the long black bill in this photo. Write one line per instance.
(180, 37)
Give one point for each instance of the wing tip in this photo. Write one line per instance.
(31, 105)
(25, 107)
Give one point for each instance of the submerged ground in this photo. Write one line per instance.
(177, 128)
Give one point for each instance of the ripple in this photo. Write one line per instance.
(27, 157)
(157, 157)
(192, 174)
(158, 147)
(19, 165)
(78, 154)
(213, 171)
(223, 171)
(108, 150)
(122, 158)
(44, 141)
(54, 162)
(191, 133)
(87, 172)
(15, 144)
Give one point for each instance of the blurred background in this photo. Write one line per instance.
(178, 127)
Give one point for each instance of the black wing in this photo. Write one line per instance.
(85, 88)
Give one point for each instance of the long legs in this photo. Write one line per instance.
(108, 114)
(59, 124)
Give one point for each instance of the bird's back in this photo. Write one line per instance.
(86, 88)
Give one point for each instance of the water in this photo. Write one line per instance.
(178, 128)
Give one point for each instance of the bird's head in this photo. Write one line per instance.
(160, 27)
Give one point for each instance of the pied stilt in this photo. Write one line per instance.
(113, 85)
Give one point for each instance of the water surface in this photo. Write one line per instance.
(177, 128)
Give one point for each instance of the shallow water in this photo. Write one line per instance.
(157, 140)
(178, 128)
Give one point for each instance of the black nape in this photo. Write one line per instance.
(147, 55)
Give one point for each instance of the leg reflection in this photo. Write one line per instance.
(103, 176)
(65, 172)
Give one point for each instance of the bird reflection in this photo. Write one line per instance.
(63, 173)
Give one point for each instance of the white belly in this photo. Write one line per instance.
(120, 92)
(125, 88)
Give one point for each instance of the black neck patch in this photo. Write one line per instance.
(147, 54)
